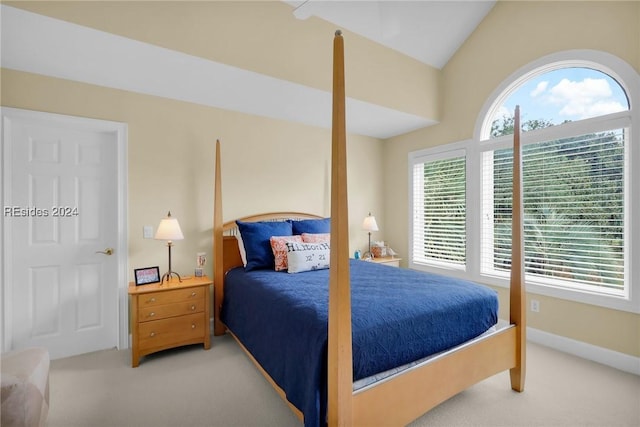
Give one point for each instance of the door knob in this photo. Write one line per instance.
(108, 251)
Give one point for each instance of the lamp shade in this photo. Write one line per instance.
(169, 229)
(369, 223)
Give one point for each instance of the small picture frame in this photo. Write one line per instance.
(144, 276)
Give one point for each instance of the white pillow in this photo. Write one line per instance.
(243, 253)
(307, 256)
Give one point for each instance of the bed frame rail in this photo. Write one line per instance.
(406, 396)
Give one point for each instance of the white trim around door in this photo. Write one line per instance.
(119, 130)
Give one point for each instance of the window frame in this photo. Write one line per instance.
(459, 150)
(593, 125)
(629, 80)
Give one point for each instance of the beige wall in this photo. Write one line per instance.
(512, 35)
(267, 165)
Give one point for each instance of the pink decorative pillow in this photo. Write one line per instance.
(279, 248)
(316, 238)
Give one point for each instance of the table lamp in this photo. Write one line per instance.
(369, 225)
(169, 230)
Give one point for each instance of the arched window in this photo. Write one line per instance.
(562, 95)
(577, 126)
(580, 152)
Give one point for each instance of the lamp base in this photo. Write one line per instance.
(168, 275)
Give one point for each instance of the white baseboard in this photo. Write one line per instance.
(621, 361)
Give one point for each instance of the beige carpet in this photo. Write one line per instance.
(221, 387)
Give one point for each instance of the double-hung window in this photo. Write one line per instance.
(439, 209)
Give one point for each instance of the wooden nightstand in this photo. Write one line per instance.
(169, 315)
(387, 260)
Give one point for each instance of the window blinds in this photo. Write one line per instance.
(574, 203)
(439, 211)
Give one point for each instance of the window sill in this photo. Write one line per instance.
(584, 297)
(580, 296)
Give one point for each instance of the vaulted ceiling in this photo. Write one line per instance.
(428, 30)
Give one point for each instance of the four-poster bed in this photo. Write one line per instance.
(402, 396)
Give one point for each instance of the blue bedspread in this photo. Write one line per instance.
(398, 316)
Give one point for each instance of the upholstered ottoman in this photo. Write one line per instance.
(25, 387)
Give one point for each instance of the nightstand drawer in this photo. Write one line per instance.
(169, 315)
(162, 333)
(167, 297)
(170, 310)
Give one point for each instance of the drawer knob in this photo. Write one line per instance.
(193, 326)
(193, 307)
(193, 294)
(152, 334)
(152, 300)
(152, 314)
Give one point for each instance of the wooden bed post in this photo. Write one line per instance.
(517, 306)
(340, 362)
(218, 270)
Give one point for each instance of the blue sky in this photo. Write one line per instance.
(566, 94)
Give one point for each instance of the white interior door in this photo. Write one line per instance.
(63, 242)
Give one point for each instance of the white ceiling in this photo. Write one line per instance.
(428, 30)
(43, 45)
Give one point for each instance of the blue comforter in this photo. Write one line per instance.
(398, 316)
